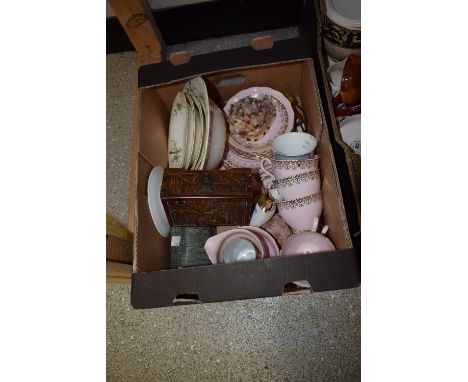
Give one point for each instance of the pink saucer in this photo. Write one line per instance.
(271, 248)
(215, 243)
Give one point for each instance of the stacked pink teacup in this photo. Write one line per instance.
(293, 179)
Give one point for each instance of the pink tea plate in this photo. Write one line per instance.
(256, 116)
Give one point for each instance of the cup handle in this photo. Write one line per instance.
(274, 193)
(262, 165)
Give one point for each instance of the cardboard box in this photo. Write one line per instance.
(283, 68)
(347, 162)
(352, 161)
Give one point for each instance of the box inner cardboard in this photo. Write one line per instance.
(353, 160)
(152, 252)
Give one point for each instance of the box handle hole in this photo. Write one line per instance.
(302, 287)
(186, 299)
(180, 58)
(262, 42)
(229, 80)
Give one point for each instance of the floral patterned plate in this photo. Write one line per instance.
(256, 116)
(199, 128)
(197, 88)
(190, 133)
(177, 131)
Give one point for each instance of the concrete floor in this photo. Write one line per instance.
(314, 337)
(120, 82)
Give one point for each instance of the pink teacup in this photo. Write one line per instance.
(241, 246)
(269, 243)
(277, 169)
(297, 186)
(215, 245)
(294, 144)
(299, 213)
(303, 243)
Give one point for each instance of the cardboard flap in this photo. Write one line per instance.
(214, 19)
(282, 51)
(250, 279)
(263, 42)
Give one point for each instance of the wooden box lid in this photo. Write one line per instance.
(207, 198)
(234, 183)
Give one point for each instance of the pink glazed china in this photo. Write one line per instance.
(298, 186)
(278, 169)
(278, 228)
(300, 213)
(240, 246)
(271, 248)
(303, 243)
(256, 116)
(215, 244)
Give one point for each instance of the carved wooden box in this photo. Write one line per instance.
(207, 198)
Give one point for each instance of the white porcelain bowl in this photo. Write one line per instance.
(155, 204)
(342, 28)
(346, 13)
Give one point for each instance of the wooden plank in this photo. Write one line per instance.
(118, 273)
(138, 22)
(117, 280)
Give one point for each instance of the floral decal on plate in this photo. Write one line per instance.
(250, 118)
(175, 153)
(176, 109)
(263, 118)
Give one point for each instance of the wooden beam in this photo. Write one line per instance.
(138, 22)
(118, 273)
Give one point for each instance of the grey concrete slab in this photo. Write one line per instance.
(120, 80)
